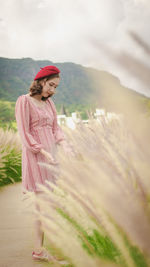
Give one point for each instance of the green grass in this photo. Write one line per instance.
(10, 171)
(102, 246)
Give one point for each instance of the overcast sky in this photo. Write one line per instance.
(66, 31)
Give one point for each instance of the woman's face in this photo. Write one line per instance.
(49, 86)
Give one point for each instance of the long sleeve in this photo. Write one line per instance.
(22, 118)
(58, 134)
(57, 131)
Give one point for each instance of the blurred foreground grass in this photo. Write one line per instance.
(98, 213)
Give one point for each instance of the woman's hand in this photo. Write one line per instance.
(49, 157)
(70, 151)
(67, 148)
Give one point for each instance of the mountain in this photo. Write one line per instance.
(79, 85)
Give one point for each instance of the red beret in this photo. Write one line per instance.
(46, 71)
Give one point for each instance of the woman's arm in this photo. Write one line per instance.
(59, 135)
(68, 149)
(57, 131)
(22, 113)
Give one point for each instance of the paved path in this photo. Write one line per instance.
(16, 229)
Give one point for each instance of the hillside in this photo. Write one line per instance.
(79, 86)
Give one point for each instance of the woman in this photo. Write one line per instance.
(36, 118)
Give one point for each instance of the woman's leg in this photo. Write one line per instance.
(38, 233)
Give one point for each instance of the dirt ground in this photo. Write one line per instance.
(16, 229)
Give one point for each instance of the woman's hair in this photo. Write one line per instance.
(36, 86)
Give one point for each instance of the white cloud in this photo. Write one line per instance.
(63, 31)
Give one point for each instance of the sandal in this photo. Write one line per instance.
(43, 255)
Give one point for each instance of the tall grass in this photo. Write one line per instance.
(10, 157)
(98, 213)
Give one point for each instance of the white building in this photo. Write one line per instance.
(99, 114)
(68, 121)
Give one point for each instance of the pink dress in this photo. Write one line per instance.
(38, 129)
